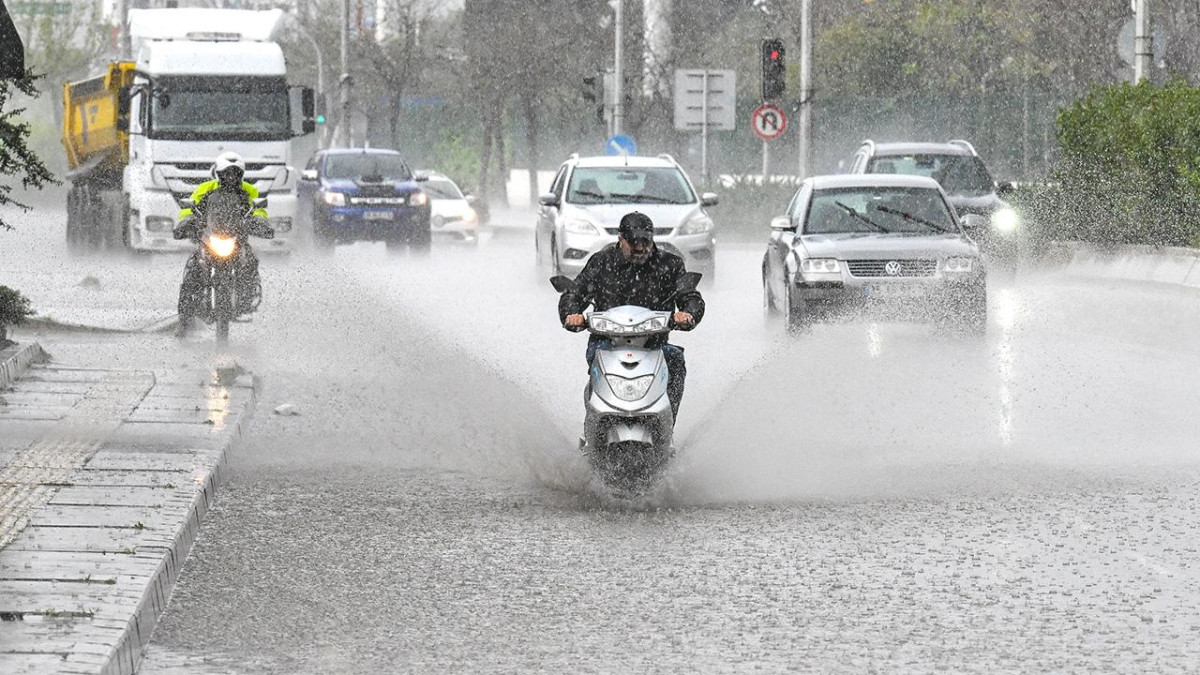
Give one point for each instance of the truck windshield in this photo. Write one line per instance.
(220, 108)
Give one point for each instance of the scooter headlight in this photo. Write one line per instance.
(222, 247)
(630, 389)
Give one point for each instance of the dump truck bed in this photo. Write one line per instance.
(97, 146)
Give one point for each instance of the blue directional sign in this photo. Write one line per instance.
(620, 145)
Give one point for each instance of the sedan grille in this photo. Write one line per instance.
(892, 268)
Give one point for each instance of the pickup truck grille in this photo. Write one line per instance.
(892, 268)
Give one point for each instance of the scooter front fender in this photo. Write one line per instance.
(632, 431)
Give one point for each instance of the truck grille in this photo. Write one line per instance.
(892, 268)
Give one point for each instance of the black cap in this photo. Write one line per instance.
(635, 226)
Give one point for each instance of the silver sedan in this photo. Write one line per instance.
(888, 243)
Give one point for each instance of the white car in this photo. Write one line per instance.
(589, 196)
(451, 211)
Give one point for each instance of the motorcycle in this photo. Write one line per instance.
(628, 427)
(220, 227)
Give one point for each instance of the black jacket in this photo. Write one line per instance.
(610, 280)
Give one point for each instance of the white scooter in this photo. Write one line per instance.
(628, 426)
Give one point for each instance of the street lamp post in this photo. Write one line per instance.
(344, 80)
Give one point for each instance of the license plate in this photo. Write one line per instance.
(378, 215)
(890, 291)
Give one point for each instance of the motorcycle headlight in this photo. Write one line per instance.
(629, 389)
(698, 225)
(418, 199)
(820, 266)
(579, 226)
(334, 198)
(222, 247)
(958, 265)
(1005, 220)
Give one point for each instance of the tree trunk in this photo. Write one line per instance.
(485, 154)
(531, 142)
(501, 160)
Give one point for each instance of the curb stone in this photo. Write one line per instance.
(15, 360)
(1174, 266)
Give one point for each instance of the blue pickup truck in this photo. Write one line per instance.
(364, 194)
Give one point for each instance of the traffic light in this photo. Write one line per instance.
(774, 73)
(320, 108)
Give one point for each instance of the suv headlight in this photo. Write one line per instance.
(1005, 220)
(958, 265)
(334, 198)
(698, 225)
(821, 266)
(630, 389)
(580, 226)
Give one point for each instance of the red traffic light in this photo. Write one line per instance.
(775, 55)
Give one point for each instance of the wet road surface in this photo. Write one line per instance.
(869, 497)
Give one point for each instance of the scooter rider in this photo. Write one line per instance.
(227, 173)
(635, 272)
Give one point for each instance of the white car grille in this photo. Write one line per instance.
(892, 268)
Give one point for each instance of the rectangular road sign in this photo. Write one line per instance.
(705, 96)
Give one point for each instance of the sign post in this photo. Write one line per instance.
(768, 122)
(703, 99)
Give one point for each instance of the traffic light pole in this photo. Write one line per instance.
(806, 34)
(344, 80)
(618, 70)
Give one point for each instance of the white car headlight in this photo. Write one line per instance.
(698, 225)
(580, 226)
(334, 198)
(821, 266)
(1005, 220)
(958, 265)
(630, 389)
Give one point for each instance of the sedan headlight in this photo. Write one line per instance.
(821, 266)
(958, 265)
(698, 225)
(334, 198)
(418, 199)
(579, 226)
(630, 389)
(1005, 220)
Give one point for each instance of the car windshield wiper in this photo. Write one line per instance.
(850, 209)
(909, 216)
(588, 193)
(654, 199)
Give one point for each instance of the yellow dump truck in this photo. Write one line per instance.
(96, 138)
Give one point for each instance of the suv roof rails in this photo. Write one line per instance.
(573, 155)
(667, 157)
(869, 143)
(964, 144)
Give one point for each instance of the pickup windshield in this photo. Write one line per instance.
(219, 108)
(375, 167)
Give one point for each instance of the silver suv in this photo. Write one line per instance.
(590, 195)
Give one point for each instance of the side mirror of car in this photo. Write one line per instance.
(782, 224)
(709, 199)
(548, 199)
(420, 176)
(972, 221)
(562, 284)
(308, 174)
(1005, 189)
(471, 199)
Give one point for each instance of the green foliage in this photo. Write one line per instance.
(748, 203)
(16, 159)
(1131, 165)
(14, 307)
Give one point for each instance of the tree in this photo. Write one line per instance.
(16, 159)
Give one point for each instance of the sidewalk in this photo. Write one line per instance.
(105, 476)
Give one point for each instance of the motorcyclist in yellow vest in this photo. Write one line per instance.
(227, 172)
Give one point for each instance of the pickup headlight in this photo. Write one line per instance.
(579, 226)
(1005, 220)
(334, 198)
(418, 199)
(821, 266)
(958, 265)
(630, 389)
(698, 225)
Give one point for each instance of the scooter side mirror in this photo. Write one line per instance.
(562, 284)
(688, 282)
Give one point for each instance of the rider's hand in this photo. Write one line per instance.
(683, 320)
(574, 322)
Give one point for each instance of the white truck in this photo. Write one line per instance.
(145, 133)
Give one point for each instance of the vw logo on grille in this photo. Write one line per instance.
(892, 268)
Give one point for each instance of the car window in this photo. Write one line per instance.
(365, 165)
(798, 201)
(958, 174)
(629, 185)
(880, 210)
(557, 186)
(441, 188)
